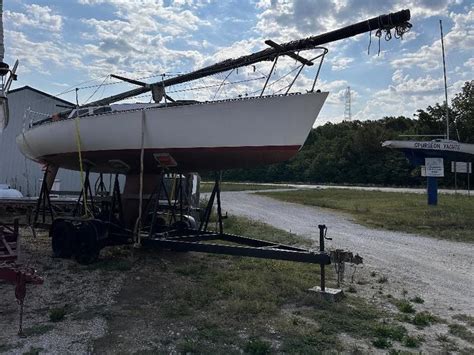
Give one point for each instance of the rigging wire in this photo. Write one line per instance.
(97, 89)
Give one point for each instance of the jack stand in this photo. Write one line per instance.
(329, 294)
(43, 202)
(85, 197)
(215, 195)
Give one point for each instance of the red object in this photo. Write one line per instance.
(12, 272)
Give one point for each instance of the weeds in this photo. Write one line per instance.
(37, 330)
(33, 351)
(382, 343)
(423, 319)
(404, 306)
(57, 314)
(257, 347)
(412, 342)
(111, 264)
(462, 332)
(417, 299)
(394, 332)
(465, 318)
(447, 344)
(382, 279)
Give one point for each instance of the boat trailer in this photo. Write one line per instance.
(168, 224)
(10, 270)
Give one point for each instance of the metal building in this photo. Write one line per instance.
(27, 103)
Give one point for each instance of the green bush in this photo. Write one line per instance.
(57, 314)
(423, 319)
(405, 307)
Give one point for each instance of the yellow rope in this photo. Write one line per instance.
(81, 167)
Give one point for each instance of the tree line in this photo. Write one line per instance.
(350, 152)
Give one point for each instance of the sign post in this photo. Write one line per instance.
(434, 168)
(462, 168)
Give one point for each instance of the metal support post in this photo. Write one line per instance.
(432, 190)
(156, 206)
(322, 236)
(43, 201)
(219, 208)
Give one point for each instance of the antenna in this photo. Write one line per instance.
(347, 104)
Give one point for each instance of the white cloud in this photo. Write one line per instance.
(469, 63)
(41, 56)
(405, 95)
(340, 63)
(35, 16)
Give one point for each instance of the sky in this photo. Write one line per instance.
(63, 45)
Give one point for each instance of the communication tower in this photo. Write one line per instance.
(347, 104)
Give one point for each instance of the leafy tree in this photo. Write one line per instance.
(463, 112)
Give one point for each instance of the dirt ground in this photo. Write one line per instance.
(157, 302)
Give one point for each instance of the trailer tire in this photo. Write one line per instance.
(63, 238)
(88, 246)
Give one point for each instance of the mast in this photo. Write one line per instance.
(445, 81)
(397, 20)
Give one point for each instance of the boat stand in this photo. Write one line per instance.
(43, 204)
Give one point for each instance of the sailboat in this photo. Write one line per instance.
(187, 135)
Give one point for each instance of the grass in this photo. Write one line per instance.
(465, 318)
(6, 347)
(417, 299)
(424, 319)
(407, 212)
(234, 304)
(403, 306)
(206, 186)
(33, 351)
(257, 347)
(382, 343)
(111, 264)
(412, 342)
(462, 332)
(57, 314)
(37, 330)
(394, 332)
(447, 344)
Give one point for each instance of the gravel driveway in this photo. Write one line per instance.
(440, 271)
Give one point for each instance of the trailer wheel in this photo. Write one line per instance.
(63, 238)
(88, 247)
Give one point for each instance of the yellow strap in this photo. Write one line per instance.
(78, 142)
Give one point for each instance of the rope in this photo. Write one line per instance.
(81, 166)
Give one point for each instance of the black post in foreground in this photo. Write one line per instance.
(322, 235)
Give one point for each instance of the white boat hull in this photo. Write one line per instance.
(218, 135)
